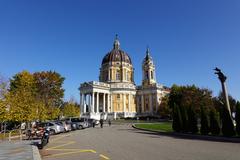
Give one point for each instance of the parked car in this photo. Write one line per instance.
(91, 121)
(66, 124)
(54, 127)
(79, 123)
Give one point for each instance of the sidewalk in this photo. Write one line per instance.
(18, 150)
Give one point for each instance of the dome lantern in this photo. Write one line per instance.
(116, 44)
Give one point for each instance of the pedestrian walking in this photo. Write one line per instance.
(109, 122)
(101, 123)
(93, 123)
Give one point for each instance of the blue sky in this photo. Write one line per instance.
(187, 39)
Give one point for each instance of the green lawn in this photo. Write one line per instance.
(129, 121)
(162, 126)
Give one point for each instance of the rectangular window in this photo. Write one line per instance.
(118, 96)
(118, 75)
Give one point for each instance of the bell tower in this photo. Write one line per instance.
(148, 70)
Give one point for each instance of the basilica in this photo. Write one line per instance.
(116, 95)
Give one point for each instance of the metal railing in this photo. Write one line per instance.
(19, 135)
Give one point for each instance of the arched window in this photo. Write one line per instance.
(118, 75)
(146, 75)
(151, 74)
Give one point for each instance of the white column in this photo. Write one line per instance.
(81, 103)
(150, 103)
(108, 103)
(84, 103)
(97, 102)
(142, 103)
(129, 103)
(92, 106)
(124, 103)
(80, 99)
(111, 105)
(104, 107)
(88, 102)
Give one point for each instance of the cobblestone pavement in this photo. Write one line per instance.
(17, 150)
(122, 142)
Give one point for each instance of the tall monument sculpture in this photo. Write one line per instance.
(223, 79)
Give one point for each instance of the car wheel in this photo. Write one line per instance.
(52, 131)
(80, 127)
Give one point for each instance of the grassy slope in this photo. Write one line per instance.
(163, 126)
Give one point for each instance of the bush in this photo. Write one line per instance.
(214, 122)
(237, 118)
(177, 119)
(204, 121)
(227, 124)
(192, 120)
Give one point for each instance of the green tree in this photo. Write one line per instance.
(184, 115)
(35, 96)
(227, 124)
(4, 86)
(22, 106)
(204, 121)
(164, 110)
(21, 97)
(177, 124)
(192, 120)
(237, 118)
(42, 111)
(49, 88)
(23, 81)
(190, 96)
(71, 109)
(3, 111)
(175, 96)
(214, 122)
(53, 113)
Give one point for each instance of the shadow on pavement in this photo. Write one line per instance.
(184, 136)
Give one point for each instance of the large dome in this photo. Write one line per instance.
(116, 54)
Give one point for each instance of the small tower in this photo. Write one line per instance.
(148, 70)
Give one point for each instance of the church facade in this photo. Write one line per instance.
(116, 95)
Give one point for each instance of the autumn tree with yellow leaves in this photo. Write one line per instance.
(33, 97)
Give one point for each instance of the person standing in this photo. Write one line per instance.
(109, 122)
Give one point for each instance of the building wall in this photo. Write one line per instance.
(108, 72)
(118, 102)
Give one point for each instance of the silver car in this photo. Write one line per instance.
(54, 127)
(67, 125)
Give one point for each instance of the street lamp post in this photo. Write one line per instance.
(222, 79)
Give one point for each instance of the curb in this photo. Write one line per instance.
(191, 136)
(36, 154)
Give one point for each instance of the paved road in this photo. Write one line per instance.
(122, 142)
